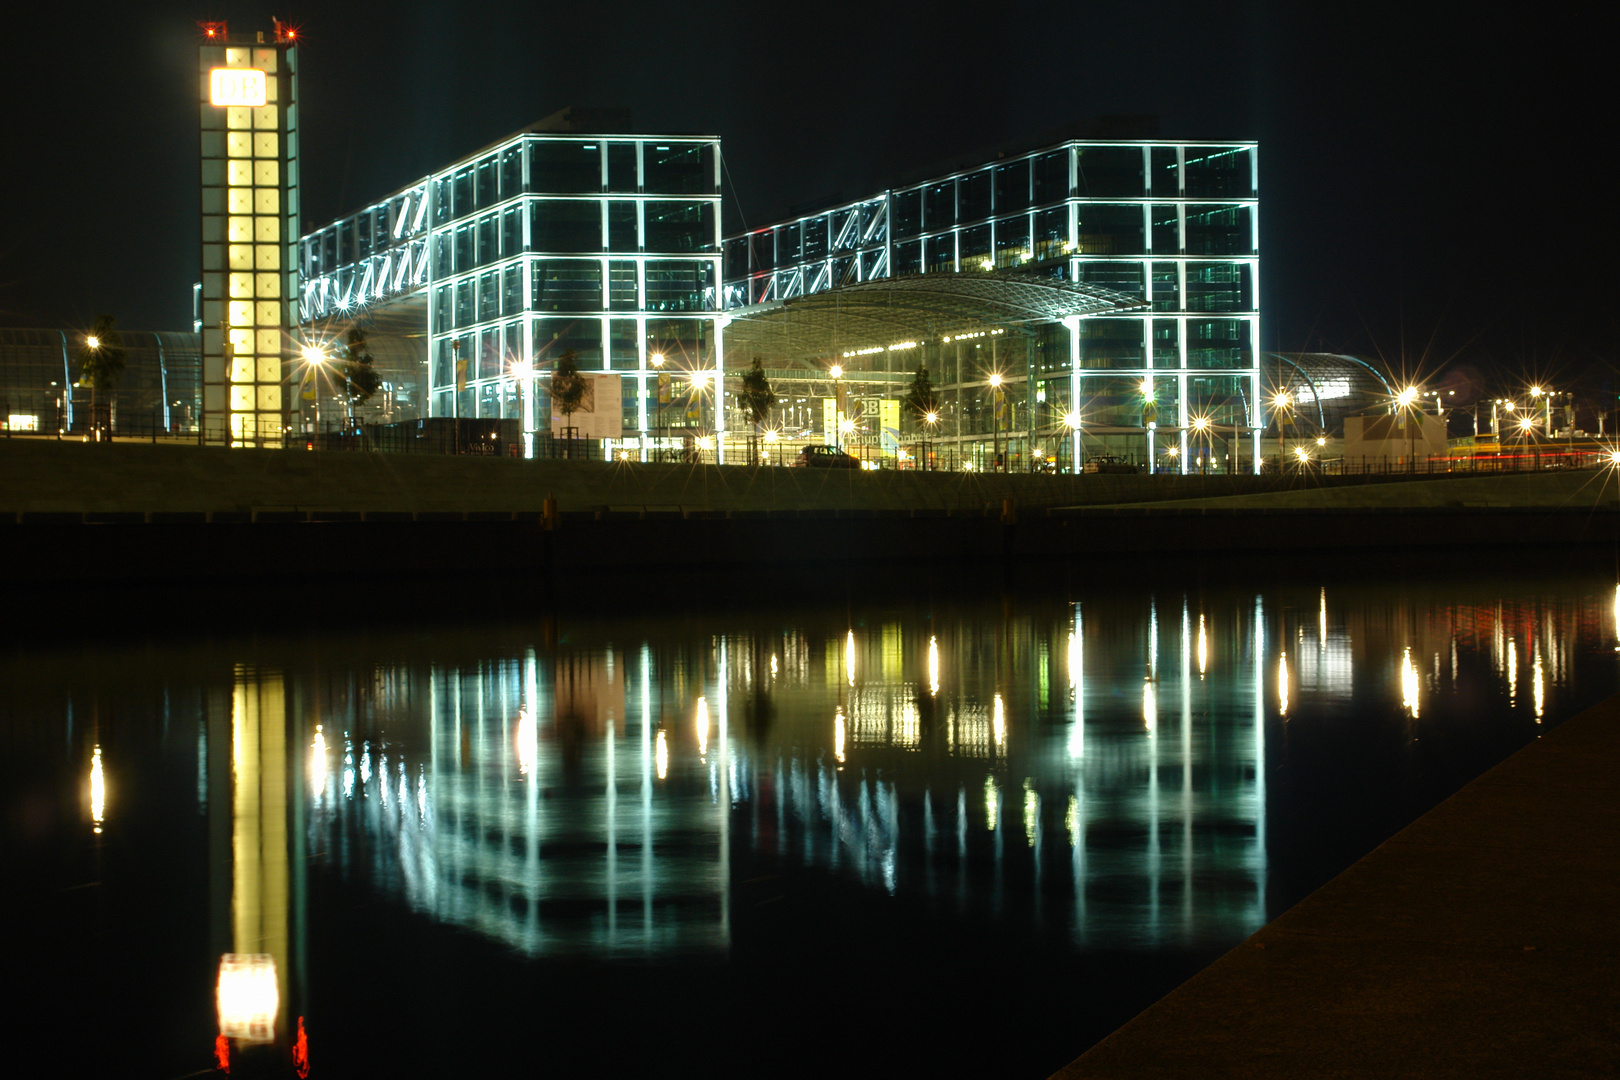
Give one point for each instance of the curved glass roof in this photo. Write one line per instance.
(1326, 387)
(917, 306)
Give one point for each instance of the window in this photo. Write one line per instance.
(466, 248)
(489, 295)
(939, 205)
(1052, 233)
(974, 192)
(1106, 229)
(1012, 186)
(789, 244)
(941, 254)
(463, 185)
(512, 230)
(489, 183)
(1051, 180)
(678, 168)
(1125, 277)
(511, 171)
(565, 168)
(489, 245)
(974, 249)
(1218, 343)
(907, 209)
(1166, 345)
(553, 337)
(621, 163)
(1218, 287)
(1219, 231)
(815, 239)
(1219, 174)
(1111, 343)
(736, 253)
(512, 290)
(568, 285)
(1012, 241)
(443, 206)
(622, 294)
(622, 226)
(565, 225)
(1166, 287)
(1166, 229)
(622, 336)
(676, 285)
(464, 302)
(908, 257)
(680, 226)
(1165, 174)
(1109, 171)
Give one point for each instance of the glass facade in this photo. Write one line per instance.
(1174, 224)
(249, 289)
(608, 246)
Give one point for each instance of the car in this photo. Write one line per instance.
(825, 457)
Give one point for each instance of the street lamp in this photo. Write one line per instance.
(930, 418)
(1200, 424)
(1280, 401)
(995, 419)
(1071, 420)
(837, 372)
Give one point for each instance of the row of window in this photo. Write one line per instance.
(597, 344)
(577, 285)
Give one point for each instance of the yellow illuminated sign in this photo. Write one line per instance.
(236, 86)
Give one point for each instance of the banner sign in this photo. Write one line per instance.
(600, 414)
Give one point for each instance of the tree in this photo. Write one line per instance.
(360, 378)
(921, 396)
(567, 388)
(101, 364)
(757, 399)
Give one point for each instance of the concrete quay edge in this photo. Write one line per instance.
(1479, 941)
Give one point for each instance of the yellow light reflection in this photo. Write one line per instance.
(661, 755)
(1513, 673)
(838, 735)
(1203, 648)
(1617, 612)
(1409, 683)
(998, 722)
(318, 769)
(1071, 820)
(1150, 706)
(1075, 660)
(773, 665)
(1032, 812)
(849, 656)
(98, 790)
(933, 656)
(247, 997)
(702, 722)
(1538, 697)
(1321, 622)
(992, 799)
(525, 742)
(1282, 683)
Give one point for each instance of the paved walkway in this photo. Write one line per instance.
(1481, 941)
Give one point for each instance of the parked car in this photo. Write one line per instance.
(825, 457)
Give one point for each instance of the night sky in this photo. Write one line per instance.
(1432, 178)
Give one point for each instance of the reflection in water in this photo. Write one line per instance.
(1409, 683)
(98, 790)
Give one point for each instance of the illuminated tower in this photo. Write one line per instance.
(249, 121)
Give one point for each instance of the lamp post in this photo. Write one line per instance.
(1280, 403)
(837, 373)
(315, 359)
(931, 418)
(657, 360)
(1405, 400)
(1200, 424)
(995, 422)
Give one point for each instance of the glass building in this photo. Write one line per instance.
(1172, 224)
(158, 392)
(476, 279)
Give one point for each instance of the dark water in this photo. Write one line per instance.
(952, 837)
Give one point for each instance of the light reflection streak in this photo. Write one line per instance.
(661, 755)
(1282, 683)
(998, 722)
(1032, 811)
(1321, 621)
(1077, 686)
(839, 735)
(992, 802)
(773, 666)
(98, 790)
(1537, 692)
(1617, 613)
(1513, 672)
(1409, 683)
(702, 721)
(317, 764)
(1150, 706)
(1203, 648)
(526, 741)
(849, 657)
(933, 664)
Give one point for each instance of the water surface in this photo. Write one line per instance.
(963, 837)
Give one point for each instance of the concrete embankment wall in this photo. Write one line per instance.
(50, 476)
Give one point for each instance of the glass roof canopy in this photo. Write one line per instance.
(917, 307)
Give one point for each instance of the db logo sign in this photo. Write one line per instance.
(236, 86)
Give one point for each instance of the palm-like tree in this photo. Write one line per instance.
(101, 365)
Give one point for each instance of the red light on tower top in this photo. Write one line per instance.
(213, 31)
(286, 33)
